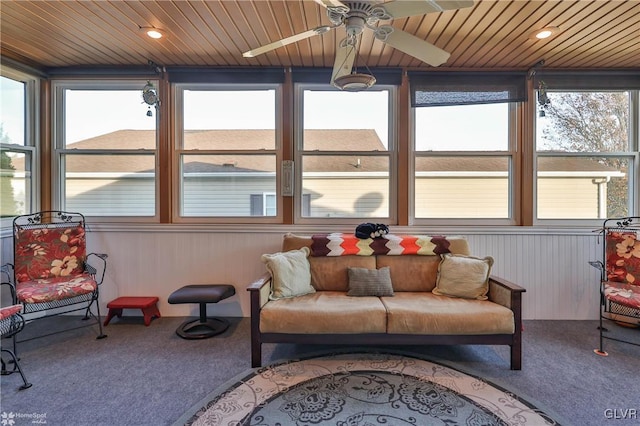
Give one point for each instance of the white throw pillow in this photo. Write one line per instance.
(463, 276)
(290, 272)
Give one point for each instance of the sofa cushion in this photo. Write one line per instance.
(411, 273)
(332, 273)
(291, 273)
(463, 276)
(324, 312)
(428, 313)
(328, 273)
(293, 242)
(370, 282)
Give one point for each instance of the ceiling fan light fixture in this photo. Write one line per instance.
(354, 82)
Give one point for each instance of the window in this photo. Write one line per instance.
(18, 150)
(464, 147)
(585, 163)
(462, 170)
(105, 148)
(347, 153)
(263, 204)
(227, 150)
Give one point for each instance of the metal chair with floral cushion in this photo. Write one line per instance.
(51, 273)
(11, 323)
(620, 277)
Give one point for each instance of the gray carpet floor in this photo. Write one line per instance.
(149, 376)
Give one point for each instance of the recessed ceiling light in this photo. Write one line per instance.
(544, 33)
(152, 32)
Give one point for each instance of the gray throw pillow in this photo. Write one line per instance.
(370, 282)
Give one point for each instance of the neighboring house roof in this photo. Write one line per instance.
(500, 164)
(467, 164)
(234, 140)
(363, 140)
(573, 164)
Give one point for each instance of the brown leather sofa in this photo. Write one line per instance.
(412, 316)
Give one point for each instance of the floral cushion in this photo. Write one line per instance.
(58, 288)
(7, 311)
(623, 257)
(49, 253)
(623, 294)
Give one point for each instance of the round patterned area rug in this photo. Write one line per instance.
(363, 389)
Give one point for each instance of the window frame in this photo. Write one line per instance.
(299, 153)
(632, 154)
(31, 148)
(177, 149)
(59, 150)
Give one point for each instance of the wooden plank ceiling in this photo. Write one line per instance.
(491, 34)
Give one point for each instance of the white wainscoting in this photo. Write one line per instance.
(154, 261)
(553, 269)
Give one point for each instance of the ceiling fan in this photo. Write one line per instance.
(355, 16)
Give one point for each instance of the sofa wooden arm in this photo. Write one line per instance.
(260, 290)
(507, 284)
(504, 292)
(257, 284)
(509, 295)
(259, 295)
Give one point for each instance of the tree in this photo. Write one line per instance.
(593, 122)
(8, 204)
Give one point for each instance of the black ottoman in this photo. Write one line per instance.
(202, 327)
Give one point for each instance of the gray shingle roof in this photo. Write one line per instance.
(317, 139)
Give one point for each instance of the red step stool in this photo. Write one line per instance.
(148, 305)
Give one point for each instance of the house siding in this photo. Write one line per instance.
(348, 197)
(126, 196)
(573, 198)
(462, 198)
(436, 197)
(226, 196)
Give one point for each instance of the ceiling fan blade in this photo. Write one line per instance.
(402, 9)
(345, 57)
(285, 41)
(412, 45)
